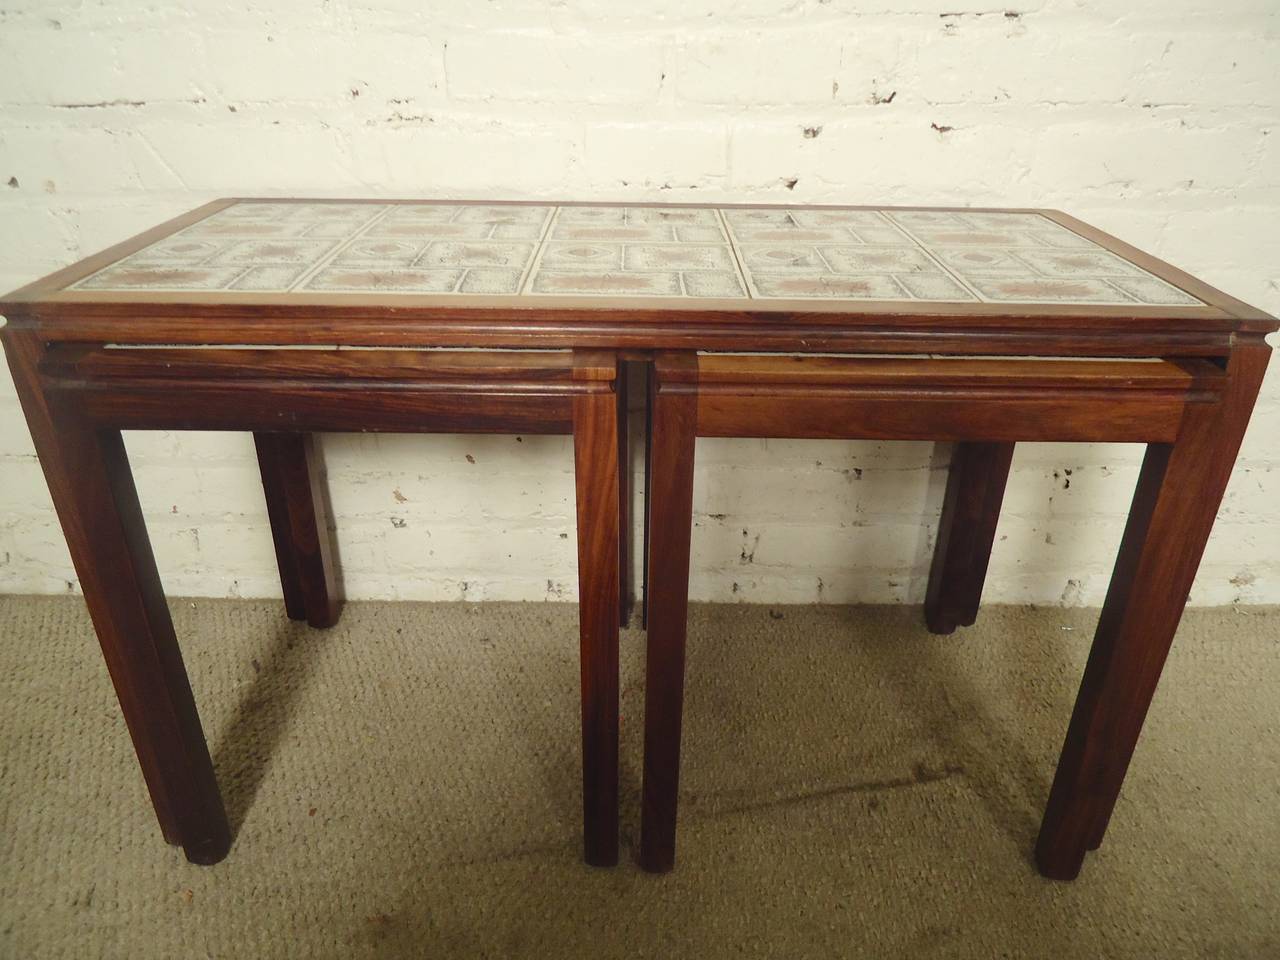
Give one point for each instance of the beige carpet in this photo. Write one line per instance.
(406, 784)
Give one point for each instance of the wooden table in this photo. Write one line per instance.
(637, 279)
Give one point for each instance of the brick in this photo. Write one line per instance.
(459, 159)
(15, 439)
(201, 492)
(1228, 67)
(1148, 151)
(371, 67)
(198, 155)
(38, 238)
(782, 67)
(989, 61)
(1259, 445)
(23, 492)
(926, 167)
(402, 500)
(536, 66)
(52, 160)
(657, 155)
(124, 69)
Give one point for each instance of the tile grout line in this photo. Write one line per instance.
(463, 272)
(309, 274)
(964, 285)
(535, 262)
(544, 233)
(747, 284)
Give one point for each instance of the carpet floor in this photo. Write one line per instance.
(406, 784)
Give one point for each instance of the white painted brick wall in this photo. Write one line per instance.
(1156, 120)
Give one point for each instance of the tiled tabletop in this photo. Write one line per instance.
(699, 252)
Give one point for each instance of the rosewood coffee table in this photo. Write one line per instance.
(411, 277)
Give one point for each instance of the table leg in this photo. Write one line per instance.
(1177, 497)
(624, 498)
(595, 445)
(297, 509)
(670, 529)
(92, 487)
(648, 496)
(970, 512)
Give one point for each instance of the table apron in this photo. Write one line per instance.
(349, 406)
(619, 329)
(1118, 416)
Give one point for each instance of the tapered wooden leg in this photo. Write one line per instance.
(595, 447)
(624, 499)
(299, 526)
(670, 528)
(648, 495)
(1177, 498)
(970, 512)
(89, 478)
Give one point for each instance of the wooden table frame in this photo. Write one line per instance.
(1190, 413)
(78, 399)
(77, 396)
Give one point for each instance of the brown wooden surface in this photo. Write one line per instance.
(314, 390)
(636, 323)
(926, 373)
(480, 368)
(1174, 506)
(670, 524)
(625, 600)
(1192, 411)
(1192, 414)
(595, 457)
(953, 399)
(88, 474)
(966, 531)
(280, 394)
(297, 507)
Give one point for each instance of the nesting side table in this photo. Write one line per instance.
(287, 317)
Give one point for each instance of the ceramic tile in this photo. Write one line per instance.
(981, 262)
(827, 287)
(1045, 290)
(257, 252)
(590, 283)
(582, 256)
(466, 254)
(1149, 289)
(1078, 263)
(160, 275)
(943, 255)
(637, 251)
(689, 256)
(606, 250)
(379, 251)
(270, 247)
(362, 279)
(268, 279)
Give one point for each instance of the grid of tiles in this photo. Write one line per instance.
(340, 248)
(934, 255)
(638, 251)
(698, 252)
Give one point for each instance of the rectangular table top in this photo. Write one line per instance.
(249, 267)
